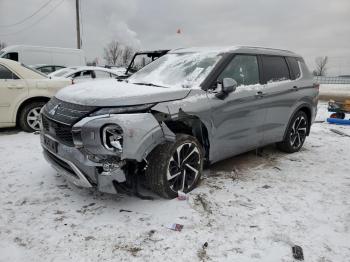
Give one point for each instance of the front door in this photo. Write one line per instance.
(239, 118)
(12, 89)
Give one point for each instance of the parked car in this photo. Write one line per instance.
(32, 55)
(47, 69)
(84, 73)
(23, 92)
(188, 107)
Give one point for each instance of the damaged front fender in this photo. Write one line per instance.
(141, 134)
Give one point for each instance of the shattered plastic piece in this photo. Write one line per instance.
(182, 195)
(175, 227)
(297, 252)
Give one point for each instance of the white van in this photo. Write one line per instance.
(32, 55)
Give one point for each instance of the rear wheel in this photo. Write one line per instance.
(296, 133)
(174, 167)
(29, 118)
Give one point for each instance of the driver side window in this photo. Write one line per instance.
(242, 68)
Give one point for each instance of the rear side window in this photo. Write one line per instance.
(6, 73)
(243, 68)
(275, 68)
(294, 67)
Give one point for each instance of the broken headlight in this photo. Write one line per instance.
(112, 138)
(122, 110)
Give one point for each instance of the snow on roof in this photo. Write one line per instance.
(240, 48)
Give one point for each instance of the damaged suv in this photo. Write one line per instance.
(189, 107)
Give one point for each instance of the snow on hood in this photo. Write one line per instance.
(115, 93)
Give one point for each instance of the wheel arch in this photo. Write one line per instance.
(191, 125)
(27, 102)
(307, 110)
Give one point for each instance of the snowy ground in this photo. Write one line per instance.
(247, 208)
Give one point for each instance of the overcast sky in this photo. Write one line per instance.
(309, 27)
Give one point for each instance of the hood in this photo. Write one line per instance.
(115, 93)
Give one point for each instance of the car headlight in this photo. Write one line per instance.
(112, 138)
(122, 110)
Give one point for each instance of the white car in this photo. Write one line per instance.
(84, 73)
(23, 92)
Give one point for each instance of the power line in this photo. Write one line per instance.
(28, 17)
(39, 20)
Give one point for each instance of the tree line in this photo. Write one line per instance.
(118, 54)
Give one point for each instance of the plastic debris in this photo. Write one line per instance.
(297, 252)
(182, 196)
(175, 227)
(125, 210)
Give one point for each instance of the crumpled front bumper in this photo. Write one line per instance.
(75, 167)
(78, 164)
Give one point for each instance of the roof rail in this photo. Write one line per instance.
(267, 48)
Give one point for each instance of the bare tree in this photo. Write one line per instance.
(127, 55)
(321, 66)
(2, 45)
(112, 52)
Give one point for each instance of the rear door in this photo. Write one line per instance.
(238, 119)
(12, 90)
(279, 96)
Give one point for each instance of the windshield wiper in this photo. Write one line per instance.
(147, 84)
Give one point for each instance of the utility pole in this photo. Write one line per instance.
(78, 23)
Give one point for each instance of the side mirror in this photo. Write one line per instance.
(228, 85)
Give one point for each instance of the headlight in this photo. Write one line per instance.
(122, 110)
(112, 138)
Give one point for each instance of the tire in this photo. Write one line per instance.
(296, 133)
(162, 164)
(29, 120)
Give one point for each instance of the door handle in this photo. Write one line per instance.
(15, 87)
(259, 93)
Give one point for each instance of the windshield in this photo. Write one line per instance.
(177, 70)
(34, 70)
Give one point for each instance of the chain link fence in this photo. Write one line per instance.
(333, 80)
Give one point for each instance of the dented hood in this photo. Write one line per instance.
(115, 93)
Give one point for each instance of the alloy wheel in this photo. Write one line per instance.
(298, 132)
(184, 167)
(33, 118)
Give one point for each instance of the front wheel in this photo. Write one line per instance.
(174, 167)
(29, 118)
(296, 133)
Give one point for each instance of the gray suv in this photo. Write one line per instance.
(189, 107)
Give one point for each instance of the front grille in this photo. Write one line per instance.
(67, 113)
(61, 132)
(59, 117)
(61, 163)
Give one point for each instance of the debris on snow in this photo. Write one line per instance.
(182, 196)
(339, 132)
(175, 227)
(297, 252)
